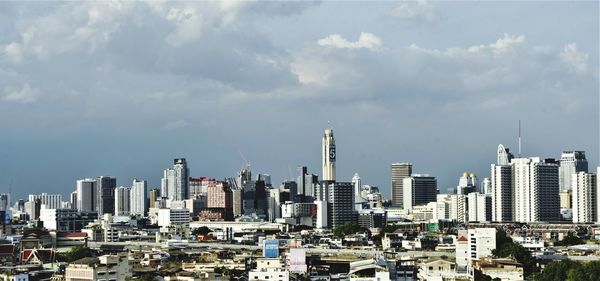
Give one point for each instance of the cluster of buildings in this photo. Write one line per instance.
(534, 200)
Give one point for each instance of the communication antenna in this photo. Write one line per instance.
(519, 138)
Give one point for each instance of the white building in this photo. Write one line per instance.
(479, 207)
(138, 197)
(458, 208)
(536, 190)
(86, 195)
(329, 155)
(269, 269)
(486, 186)
(174, 184)
(418, 190)
(473, 244)
(49, 201)
(502, 193)
(168, 217)
(122, 199)
(585, 197)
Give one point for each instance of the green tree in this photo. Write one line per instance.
(76, 253)
(203, 230)
(348, 228)
(506, 248)
(570, 240)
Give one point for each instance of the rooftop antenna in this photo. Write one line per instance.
(519, 138)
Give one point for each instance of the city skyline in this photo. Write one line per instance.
(121, 89)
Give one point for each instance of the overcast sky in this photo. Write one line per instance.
(122, 88)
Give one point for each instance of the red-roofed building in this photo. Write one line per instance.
(37, 256)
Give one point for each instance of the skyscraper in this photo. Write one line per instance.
(174, 184)
(340, 203)
(105, 200)
(536, 189)
(122, 201)
(571, 162)
(4, 201)
(154, 195)
(486, 186)
(502, 193)
(138, 197)
(467, 183)
(87, 195)
(329, 155)
(418, 190)
(585, 196)
(504, 155)
(399, 172)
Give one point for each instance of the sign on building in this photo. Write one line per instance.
(271, 248)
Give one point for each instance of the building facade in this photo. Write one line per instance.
(585, 197)
(87, 195)
(571, 162)
(329, 156)
(418, 190)
(138, 197)
(536, 186)
(400, 171)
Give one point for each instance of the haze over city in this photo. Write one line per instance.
(120, 89)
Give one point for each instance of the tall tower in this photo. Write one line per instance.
(571, 162)
(329, 154)
(399, 172)
(504, 155)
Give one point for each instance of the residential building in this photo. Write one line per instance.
(122, 201)
(66, 220)
(340, 203)
(474, 244)
(154, 195)
(269, 269)
(49, 201)
(536, 189)
(479, 207)
(585, 197)
(138, 198)
(174, 184)
(502, 193)
(467, 183)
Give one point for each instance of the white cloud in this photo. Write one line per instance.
(14, 52)
(177, 124)
(23, 95)
(366, 40)
(574, 60)
(414, 10)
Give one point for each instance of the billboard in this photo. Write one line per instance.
(271, 248)
(5, 217)
(297, 260)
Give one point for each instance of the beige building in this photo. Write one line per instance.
(565, 199)
(107, 267)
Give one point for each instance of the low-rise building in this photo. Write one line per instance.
(107, 267)
(269, 269)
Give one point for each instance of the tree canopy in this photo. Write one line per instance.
(568, 270)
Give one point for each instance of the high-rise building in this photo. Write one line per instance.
(219, 196)
(571, 162)
(122, 200)
(154, 195)
(105, 201)
(486, 186)
(536, 189)
(87, 195)
(566, 199)
(138, 197)
(502, 193)
(479, 207)
(458, 208)
(329, 155)
(49, 201)
(418, 190)
(33, 208)
(4, 201)
(585, 196)
(341, 203)
(504, 155)
(306, 185)
(400, 171)
(474, 244)
(467, 183)
(174, 184)
(73, 197)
